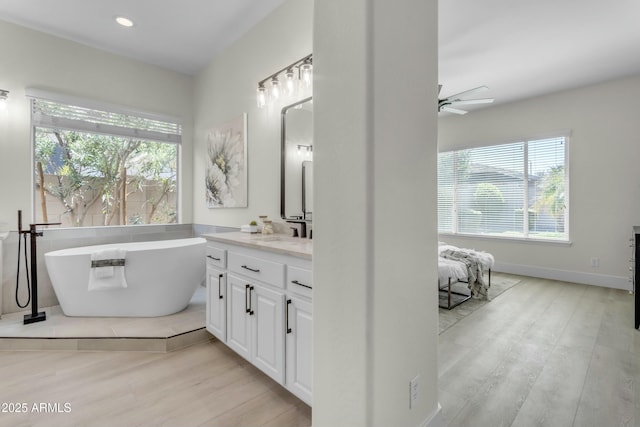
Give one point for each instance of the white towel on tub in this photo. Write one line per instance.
(107, 277)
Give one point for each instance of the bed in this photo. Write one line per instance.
(460, 265)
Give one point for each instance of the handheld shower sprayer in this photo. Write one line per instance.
(32, 288)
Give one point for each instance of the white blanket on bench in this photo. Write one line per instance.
(472, 263)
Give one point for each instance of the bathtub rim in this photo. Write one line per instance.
(129, 246)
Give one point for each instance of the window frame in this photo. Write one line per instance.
(525, 237)
(35, 94)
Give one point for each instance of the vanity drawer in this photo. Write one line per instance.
(300, 281)
(216, 256)
(264, 270)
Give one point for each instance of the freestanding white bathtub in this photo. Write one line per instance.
(161, 276)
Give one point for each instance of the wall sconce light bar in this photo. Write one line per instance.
(285, 84)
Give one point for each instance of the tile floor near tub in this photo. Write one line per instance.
(60, 332)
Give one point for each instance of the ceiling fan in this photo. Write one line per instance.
(445, 104)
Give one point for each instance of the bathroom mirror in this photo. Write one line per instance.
(296, 174)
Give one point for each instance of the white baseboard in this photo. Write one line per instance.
(604, 280)
(435, 420)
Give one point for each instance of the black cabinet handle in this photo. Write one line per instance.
(219, 291)
(213, 258)
(287, 316)
(246, 297)
(250, 303)
(251, 269)
(301, 284)
(247, 294)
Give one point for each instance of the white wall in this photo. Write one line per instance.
(33, 59)
(375, 154)
(227, 88)
(604, 178)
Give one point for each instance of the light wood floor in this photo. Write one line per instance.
(203, 385)
(544, 353)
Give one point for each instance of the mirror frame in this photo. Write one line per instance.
(283, 138)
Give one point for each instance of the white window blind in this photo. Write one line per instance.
(71, 114)
(509, 190)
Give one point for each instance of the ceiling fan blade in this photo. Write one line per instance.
(452, 110)
(467, 92)
(472, 101)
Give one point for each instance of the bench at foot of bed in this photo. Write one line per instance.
(454, 298)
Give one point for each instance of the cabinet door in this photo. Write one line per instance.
(217, 302)
(268, 348)
(238, 316)
(299, 360)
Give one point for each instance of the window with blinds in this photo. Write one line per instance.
(64, 116)
(516, 190)
(100, 165)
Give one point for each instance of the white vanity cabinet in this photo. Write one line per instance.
(216, 281)
(299, 328)
(254, 319)
(216, 302)
(259, 303)
(238, 312)
(268, 339)
(255, 310)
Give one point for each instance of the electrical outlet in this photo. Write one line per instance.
(414, 389)
(595, 262)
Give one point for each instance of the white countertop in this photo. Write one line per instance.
(280, 243)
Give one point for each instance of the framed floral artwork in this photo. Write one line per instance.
(226, 169)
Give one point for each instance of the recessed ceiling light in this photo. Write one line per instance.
(124, 21)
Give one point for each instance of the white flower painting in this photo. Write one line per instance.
(226, 172)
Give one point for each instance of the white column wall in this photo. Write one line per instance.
(375, 149)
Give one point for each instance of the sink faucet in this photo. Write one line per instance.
(303, 225)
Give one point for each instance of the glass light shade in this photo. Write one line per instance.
(4, 95)
(290, 82)
(275, 88)
(306, 73)
(261, 96)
